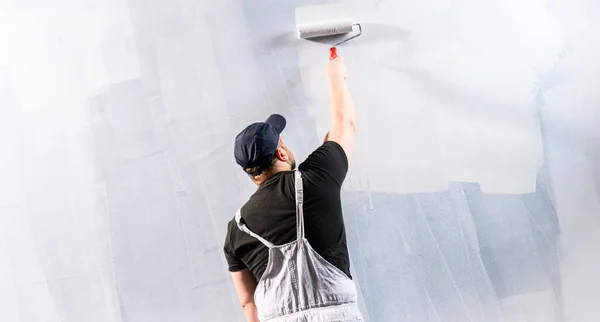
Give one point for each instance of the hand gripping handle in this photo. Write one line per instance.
(333, 53)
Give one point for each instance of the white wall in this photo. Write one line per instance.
(473, 194)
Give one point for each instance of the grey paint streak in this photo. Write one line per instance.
(117, 121)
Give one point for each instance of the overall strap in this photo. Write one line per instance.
(299, 202)
(242, 227)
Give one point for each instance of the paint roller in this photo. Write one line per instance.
(328, 28)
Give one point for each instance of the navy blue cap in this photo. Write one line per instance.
(255, 146)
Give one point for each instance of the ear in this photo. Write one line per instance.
(281, 155)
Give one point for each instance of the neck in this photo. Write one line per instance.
(275, 170)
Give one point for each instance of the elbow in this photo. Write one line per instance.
(250, 311)
(248, 305)
(347, 122)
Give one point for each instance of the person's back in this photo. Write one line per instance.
(286, 247)
(271, 213)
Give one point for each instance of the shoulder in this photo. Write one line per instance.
(231, 232)
(231, 224)
(252, 211)
(333, 149)
(332, 145)
(328, 152)
(329, 160)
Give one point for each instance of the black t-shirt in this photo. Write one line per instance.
(271, 213)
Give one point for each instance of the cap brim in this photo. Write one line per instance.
(277, 121)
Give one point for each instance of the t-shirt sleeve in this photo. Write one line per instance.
(233, 261)
(330, 160)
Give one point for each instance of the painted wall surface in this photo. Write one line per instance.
(474, 193)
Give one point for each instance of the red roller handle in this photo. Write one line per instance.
(333, 53)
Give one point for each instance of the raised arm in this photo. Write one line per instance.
(341, 107)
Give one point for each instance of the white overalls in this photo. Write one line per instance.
(298, 284)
